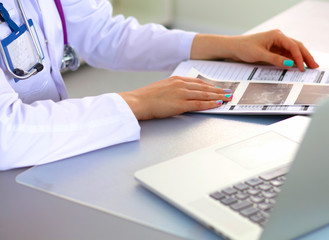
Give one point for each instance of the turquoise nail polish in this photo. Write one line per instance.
(288, 63)
(228, 95)
(227, 90)
(219, 102)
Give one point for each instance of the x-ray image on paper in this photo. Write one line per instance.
(312, 94)
(266, 93)
(221, 84)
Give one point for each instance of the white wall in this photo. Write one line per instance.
(205, 16)
(226, 16)
(159, 11)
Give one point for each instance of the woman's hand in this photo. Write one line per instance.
(173, 96)
(176, 95)
(271, 47)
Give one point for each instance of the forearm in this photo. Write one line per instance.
(46, 131)
(211, 47)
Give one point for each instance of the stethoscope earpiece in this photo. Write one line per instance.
(38, 67)
(20, 72)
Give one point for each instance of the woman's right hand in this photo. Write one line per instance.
(173, 96)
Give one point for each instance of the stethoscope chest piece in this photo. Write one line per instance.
(70, 59)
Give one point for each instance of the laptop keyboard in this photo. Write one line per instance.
(255, 197)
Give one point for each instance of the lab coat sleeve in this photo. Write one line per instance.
(45, 131)
(119, 43)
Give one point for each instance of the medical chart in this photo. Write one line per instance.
(261, 89)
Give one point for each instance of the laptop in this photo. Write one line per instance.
(272, 184)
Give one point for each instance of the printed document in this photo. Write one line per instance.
(261, 89)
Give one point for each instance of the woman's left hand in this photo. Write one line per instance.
(271, 47)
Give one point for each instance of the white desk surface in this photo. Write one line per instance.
(27, 213)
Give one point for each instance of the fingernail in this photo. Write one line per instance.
(219, 102)
(288, 63)
(229, 95)
(227, 90)
(304, 67)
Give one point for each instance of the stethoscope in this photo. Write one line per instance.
(70, 58)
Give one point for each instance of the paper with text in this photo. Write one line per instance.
(261, 89)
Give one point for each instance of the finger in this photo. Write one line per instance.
(277, 60)
(283, 44)
(294, 48)
(195, 105)
(308, 58)
(201, 95)
(284, 62)
(189, 80)
(207, 88)
(197, 84)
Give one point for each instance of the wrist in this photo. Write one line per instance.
(132, 101)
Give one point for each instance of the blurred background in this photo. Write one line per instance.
(206, 16)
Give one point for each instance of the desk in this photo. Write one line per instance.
(30, 214)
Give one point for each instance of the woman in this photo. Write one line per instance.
(38, 124)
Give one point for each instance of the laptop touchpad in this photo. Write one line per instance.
(261, 149)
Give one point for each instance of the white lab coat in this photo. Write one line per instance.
(38, 124)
